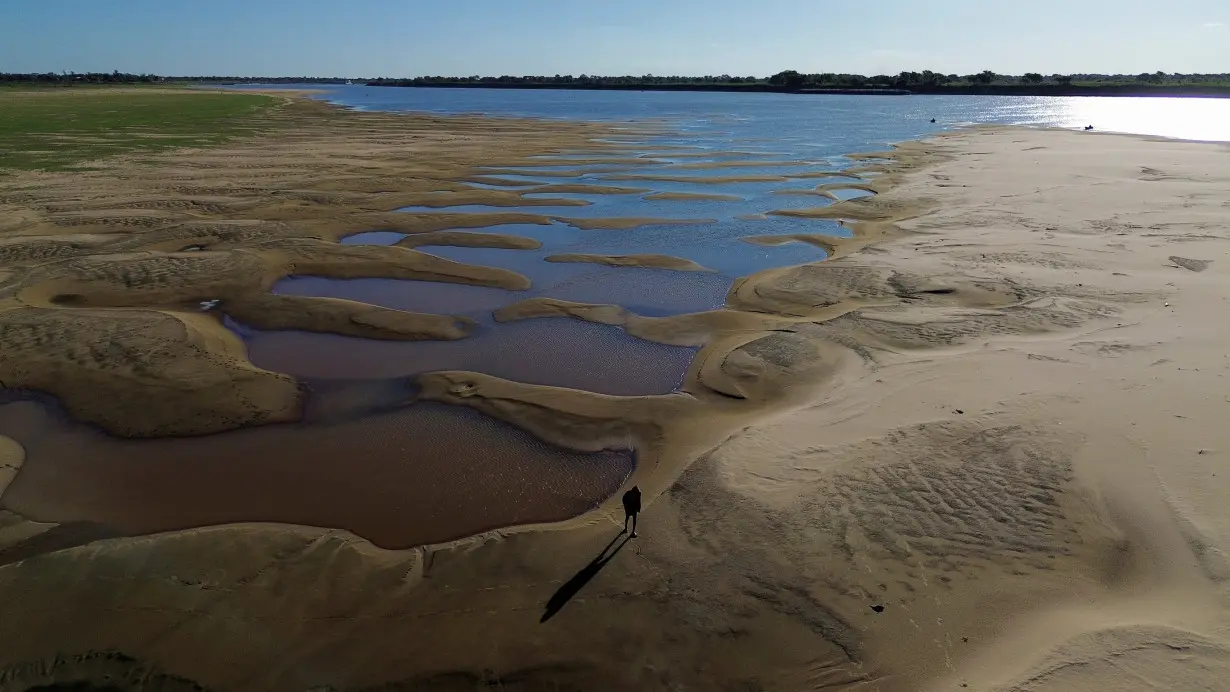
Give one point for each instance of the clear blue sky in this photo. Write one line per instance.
(352, 38)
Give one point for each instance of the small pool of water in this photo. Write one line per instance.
(373, 238)
(404, 477)
(559, 352)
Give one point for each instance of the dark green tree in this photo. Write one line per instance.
(789, 78)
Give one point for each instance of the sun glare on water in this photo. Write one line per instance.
(1182, 118)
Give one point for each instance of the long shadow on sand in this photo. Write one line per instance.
(62, 537)
(580, 579)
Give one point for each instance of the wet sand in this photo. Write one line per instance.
(685, 196)
(979, 442)
(644, 261)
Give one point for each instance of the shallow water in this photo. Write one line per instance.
(749, 160)
(559, 352)
(426, 473)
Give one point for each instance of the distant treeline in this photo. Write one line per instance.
(789, 81)
(75, 78)
(925, 82)
(71, 78)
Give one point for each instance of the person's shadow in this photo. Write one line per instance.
(580, 579)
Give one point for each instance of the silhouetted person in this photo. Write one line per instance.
(1088, 128)
(632, 507)
(933, 121)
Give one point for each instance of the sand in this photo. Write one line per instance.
(126, 255)
(470, 239)
(644, 261)
(689, 196)
(11, 456)
(697, 179)
(623, 223)
(980, 445)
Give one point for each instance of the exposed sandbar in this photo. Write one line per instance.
(491, 198)
(584, 189)
(813, 192)
(505, 182)
(686, 196)
(345, 317)
(846, 173)
(644, 261)
(699, 179)
(695, 329)
(711, 165)
(623, 223)
(824, 242)
(469, 239)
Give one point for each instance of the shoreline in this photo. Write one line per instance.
(737, 561)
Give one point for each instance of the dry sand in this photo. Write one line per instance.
(978, 447)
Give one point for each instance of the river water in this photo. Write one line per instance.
(758, 152)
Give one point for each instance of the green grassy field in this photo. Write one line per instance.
(55, 129)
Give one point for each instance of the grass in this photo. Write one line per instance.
(58, 129)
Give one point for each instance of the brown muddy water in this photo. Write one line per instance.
(401, 477)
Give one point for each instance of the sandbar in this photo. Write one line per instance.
(646, 261)
(470, 239)
(688, 196)
(623, 223)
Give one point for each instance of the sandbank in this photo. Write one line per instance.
(623, 223)
(645, 261)
(746, 163)
(698, 179)
(686, 196)
(470, 239)
(585, 189)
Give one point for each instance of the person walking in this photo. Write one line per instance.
(632, 507)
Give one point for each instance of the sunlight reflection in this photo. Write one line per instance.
(1183, 118)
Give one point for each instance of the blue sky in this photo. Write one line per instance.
(352, 38)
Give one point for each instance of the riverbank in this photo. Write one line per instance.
(946, 435)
